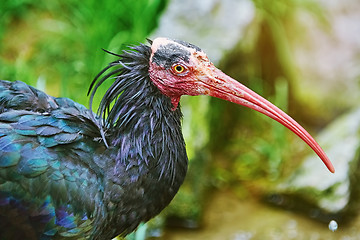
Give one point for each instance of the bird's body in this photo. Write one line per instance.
(68, 174)
(55, 151)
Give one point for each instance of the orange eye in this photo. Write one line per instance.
(178, 69)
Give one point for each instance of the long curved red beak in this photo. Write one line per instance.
(222, 86)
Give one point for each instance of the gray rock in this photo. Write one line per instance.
(328, 53)
(214, 25)
(329, 192)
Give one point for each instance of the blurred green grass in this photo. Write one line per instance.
(56, 45)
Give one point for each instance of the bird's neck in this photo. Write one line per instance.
(147, 136)
(149, 151)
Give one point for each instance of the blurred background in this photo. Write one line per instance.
(249, 177)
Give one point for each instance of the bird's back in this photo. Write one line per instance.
(49, 180)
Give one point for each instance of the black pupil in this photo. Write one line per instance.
(178, 68)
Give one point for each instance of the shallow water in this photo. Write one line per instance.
(227, 217)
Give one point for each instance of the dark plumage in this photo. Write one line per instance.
(53, 157)
(66, 173)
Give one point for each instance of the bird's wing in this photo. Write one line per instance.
(18, 95)
(49, 179)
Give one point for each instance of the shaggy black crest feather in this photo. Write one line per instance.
(130, 70)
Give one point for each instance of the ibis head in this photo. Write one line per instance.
(179, 68)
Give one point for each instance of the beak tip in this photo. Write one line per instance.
(330, 166)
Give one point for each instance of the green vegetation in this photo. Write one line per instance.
(58, 43)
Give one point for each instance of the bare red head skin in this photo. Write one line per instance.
(178, 68)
